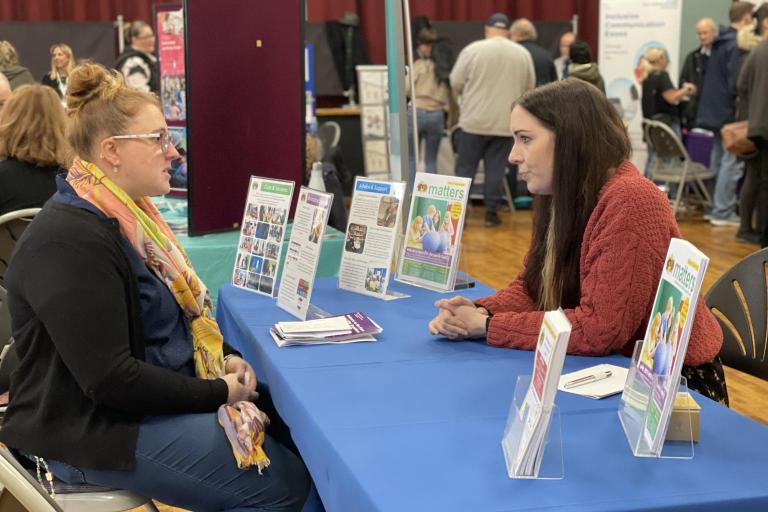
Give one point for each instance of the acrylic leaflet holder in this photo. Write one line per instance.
(634, 416)
(547, 463)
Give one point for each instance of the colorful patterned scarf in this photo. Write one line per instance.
(143, 226)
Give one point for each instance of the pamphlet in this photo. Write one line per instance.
(666, 338)
(430, 253)
(526, 432)
(347, 328)
(303, 254)
(374, 118)
(261, 234)
(374, 218)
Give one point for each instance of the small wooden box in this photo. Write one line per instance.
(685, 420)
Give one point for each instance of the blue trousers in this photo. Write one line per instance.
(493, 150)
(186, 461)
(429, 126)
(729, 171)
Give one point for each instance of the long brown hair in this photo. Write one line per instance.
(33, 127)
(590, 142)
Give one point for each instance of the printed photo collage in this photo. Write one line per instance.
(257, 255)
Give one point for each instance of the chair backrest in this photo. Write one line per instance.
(739, 300)
(329, 134)
(22, 486)
(12, 225)
(664, 142)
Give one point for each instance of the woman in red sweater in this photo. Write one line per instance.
(601, 233)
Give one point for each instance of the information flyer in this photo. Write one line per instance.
(170, 45)
(433, 234)
(261, 234)
(303, 254)
(374, 217)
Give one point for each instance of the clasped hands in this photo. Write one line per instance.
(458, 318)
(240, 379)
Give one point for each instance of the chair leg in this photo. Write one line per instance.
(508, 194)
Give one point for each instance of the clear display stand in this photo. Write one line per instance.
(548, 464)
(460, 280)
(633, 414)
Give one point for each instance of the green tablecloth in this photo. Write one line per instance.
(213, 256)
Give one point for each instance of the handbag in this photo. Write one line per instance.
(736, 141)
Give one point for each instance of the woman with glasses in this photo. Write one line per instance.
(124, 378)
(137, 63)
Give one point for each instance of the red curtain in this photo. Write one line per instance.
(76, 10)
(371, 14)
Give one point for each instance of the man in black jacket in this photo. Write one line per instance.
(524, 33)
(694, 67)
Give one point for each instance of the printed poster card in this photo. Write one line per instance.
(303, 255)
(433, 234)
(261, 234)
(374, 218)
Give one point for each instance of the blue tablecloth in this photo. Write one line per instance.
(412, 422)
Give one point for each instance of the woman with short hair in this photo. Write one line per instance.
(33, 147)
(124, 379)
(601, 233)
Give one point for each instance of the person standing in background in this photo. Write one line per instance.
(562, 61)
(753, 107)
(9, 66)
(429, 98)
(524, 33)
(62, 64)
(489, 76)
(717, 107)
(694, 67)
(137, 63)
(582, 67)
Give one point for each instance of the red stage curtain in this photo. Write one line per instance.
(75, 10)
(371, 13)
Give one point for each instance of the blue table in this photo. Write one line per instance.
(411, 422)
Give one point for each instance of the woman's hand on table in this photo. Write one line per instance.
(458, 318)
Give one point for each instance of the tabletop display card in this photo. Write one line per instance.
(433, 234)
(374, 119)
(261, 234)
(374, 217)
(666, 338)
(304, 248)
(526, 433)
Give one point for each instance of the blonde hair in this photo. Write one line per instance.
(100, 105)
(551, 288)
(649, 60)
(33, 127)
(68, 52)
(8, 55)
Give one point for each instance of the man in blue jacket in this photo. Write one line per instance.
(717, 107)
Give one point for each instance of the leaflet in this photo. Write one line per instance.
(433, 234)
(666, 338)
(261, 234)
(374, 219)
(304, 247)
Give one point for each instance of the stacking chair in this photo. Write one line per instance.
(673, 165)
(12, 225)
(739, 300)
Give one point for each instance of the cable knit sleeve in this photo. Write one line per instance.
(514, 297)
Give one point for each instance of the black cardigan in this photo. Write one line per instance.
(82, 385)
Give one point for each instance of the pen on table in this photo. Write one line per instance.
(588, 379)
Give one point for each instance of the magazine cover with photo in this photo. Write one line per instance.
(253, 211)
(253, 281)
(664, 330)
(375, 279)
(256, 262)
(258, 247)
(262, 230)
(266, 285)
(269, 267)
(246, 244)
(238, 279)
(432, 227)
(387, 214)
(271, 250)
(249, 229)
(356, 238)
(302, 290)
(276, 233)
(242, 260)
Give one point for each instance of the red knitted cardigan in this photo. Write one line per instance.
(622, 255)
